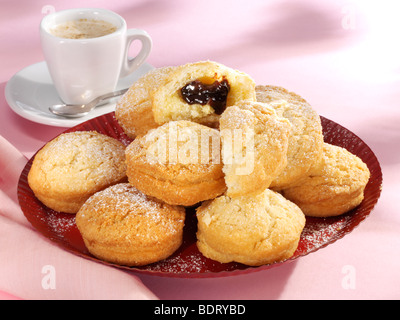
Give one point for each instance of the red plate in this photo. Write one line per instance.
(188, 262)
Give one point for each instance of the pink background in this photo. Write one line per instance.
(342, 56)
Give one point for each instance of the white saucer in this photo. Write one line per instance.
(31, 92)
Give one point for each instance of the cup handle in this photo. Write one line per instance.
(131, 64)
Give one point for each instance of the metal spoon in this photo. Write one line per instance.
(80, 110)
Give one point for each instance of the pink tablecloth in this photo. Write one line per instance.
(342, 56)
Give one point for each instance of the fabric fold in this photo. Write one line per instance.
(34, 268)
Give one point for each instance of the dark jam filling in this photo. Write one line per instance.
(215, 94)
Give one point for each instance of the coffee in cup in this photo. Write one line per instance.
(86, 51)
(83, 29)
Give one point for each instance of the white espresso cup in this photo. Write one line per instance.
(83, 69)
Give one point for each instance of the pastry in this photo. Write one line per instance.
(305, 140)
(254, 147)
(197, 92)
(134, 111)
(123, 226)
(332, 188)
(253, 230)
(73, 166)
(200, 92)
(178, 163)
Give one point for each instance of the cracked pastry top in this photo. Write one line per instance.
(124, 226)
(178, 163)
(253, 230)
(73, 166)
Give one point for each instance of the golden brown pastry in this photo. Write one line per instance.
(200, 92)
(178, 163)
(306, 139)
(73, 166)
(134, 110)
(254, 147)
(334, 187)
(253, 230)
(123, 226)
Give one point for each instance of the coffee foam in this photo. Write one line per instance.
(83, 29)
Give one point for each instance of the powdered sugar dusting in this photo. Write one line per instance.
(177, 264)
(61, 223)
(129, 215)
(320, 231)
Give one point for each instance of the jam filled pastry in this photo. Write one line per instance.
(200, 92)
